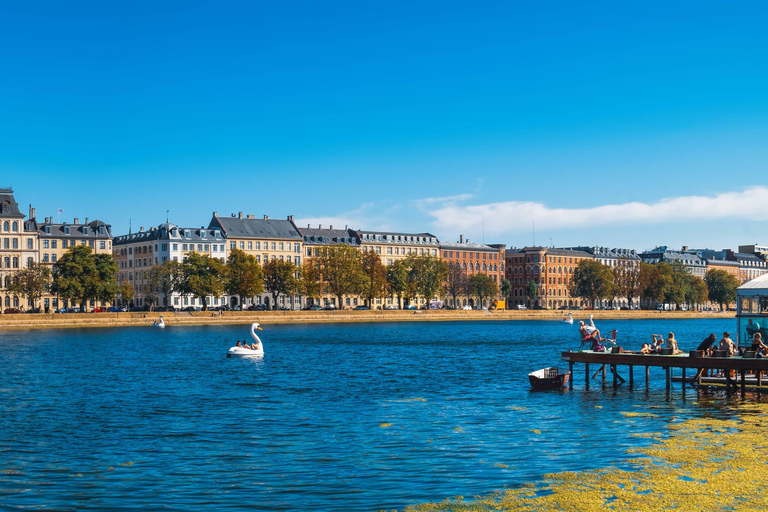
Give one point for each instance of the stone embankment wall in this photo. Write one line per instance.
(78, 320)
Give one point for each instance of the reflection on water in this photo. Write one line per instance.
(334, 417)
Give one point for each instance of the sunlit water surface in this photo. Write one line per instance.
(334, 417)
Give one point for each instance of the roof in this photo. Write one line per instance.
(468, 246)
(569, 252)
(6, 197)
(169, 231)
(51, 230)
(397, 238)
(327, 236)
(237, 227)
(757, 286)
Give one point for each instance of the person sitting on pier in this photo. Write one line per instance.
(706, 346)
(727, 344)
(672, 343)
(758, 347)
(587, 335)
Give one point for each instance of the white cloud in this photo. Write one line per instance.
(518, 216)
(366, 216)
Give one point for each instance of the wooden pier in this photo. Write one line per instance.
(735, 369)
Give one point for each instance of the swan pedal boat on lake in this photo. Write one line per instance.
(249, 352)
(159, 323)
(568, 320)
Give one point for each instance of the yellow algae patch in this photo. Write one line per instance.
(408, 400)
(457, 429)
(535, 430)
(598, 407)
(499, 465)
(705, 464)
(514, 408)
(385, 425)
(640, 415)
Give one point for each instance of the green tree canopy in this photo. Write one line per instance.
(342, 270)
(244, 276)
(376, 285)
(506, 289)
(592, 281)
(165, 278)
(483, 287)
(722, 286)
(31, 282)
(105, 280)
(397, 277)
(75, 275)
(310, 278)
(201, 276)
(456, 281)
(531, 290)
(428, 273)
(280, 279)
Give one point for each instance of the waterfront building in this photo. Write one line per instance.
(137, 253)
(758, 250)
(393, 246)
(692, 262)
(745, 266)
(550, 269)
(18, 247)
(615, 258)
(473, 258)
(314, 239)
(54, 239)
(265, 239)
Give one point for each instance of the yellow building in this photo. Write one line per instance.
(18, 245)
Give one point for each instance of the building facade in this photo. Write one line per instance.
(265, 239)
(691, 260)
(137, 253)
(615, 259)
(472, 258)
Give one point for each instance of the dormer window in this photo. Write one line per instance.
(48, 230)
(6, 207)
(202, 233)
(187, 235)
(66, 230)
(85, 230)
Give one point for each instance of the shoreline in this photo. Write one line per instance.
(81, 320)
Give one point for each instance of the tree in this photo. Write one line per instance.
(166, 278)
(482, 286)
(506, 289)
(592, 281)
(697, 291)
(375, 286)
(722, 286)
(32, 281)
(245, 278)
(127, 292)
(397, 277)
(626, 275)
(75, 274)
(655, 281)
(428, 273)
(679, 283)
(201, 276)
(280, 279)
(531, 290)
(310, 279)
(456, 281)
(342, 270)
(105, 280)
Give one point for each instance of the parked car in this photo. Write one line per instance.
(258, 307)
(11, 311)
(189, 308)
(114, 309)
(391, 306)
(362, 308)
(331, 307)
(34, 310)
(99, 309)
(284, 308)
(521, 306)
(313, 307)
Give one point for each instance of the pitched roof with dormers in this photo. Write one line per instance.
(9, 208)
(251, 227)
(92, 230)
(170, 231)
(389, 237)
(328, 236)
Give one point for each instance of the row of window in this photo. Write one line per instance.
(472, 255)
(7, 226)
(275, 246)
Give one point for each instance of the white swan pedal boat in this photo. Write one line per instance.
(249, 352)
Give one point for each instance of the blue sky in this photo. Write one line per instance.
(599, 123)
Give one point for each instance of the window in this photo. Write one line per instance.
(297, 248)
(31, 243)
(6, 225)
(53, 258)
(45, 244)
(274, 246)
(15, 243)
(199, 247)
(16, 261)
(15, 226)
(242, 246)
(45, 257)
(281, 246)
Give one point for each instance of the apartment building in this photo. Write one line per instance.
(473, 258)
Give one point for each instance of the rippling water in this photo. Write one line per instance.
(334, 417)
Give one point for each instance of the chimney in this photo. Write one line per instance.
(266, 217)
(215, 214)
(233, 215)
(141, 229)
(239, 215)
(76, 221)
(249, 216)
(309, 226)
(467, 240)
(290, 218)
(86, 220)
(461, 239)
(31, 212)
(319, 226)
(331, 227)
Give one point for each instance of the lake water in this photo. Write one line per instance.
(334, 417)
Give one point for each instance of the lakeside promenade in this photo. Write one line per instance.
(80, 320)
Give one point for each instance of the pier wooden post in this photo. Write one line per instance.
(742, 375)
(615, 376)
(666, 371)
(647, 377)
(683, 369)
(603, 374)
(586, 374)
(570, 374)
(727, 383)
(631, 377)
(759, 378)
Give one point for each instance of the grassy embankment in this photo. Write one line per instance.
(48, 321)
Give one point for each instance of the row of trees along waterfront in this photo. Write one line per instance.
(662, 283)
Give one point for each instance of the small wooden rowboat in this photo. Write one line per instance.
(548, 378)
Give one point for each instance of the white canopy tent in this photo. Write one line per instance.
(752, 307)
(758, 287)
